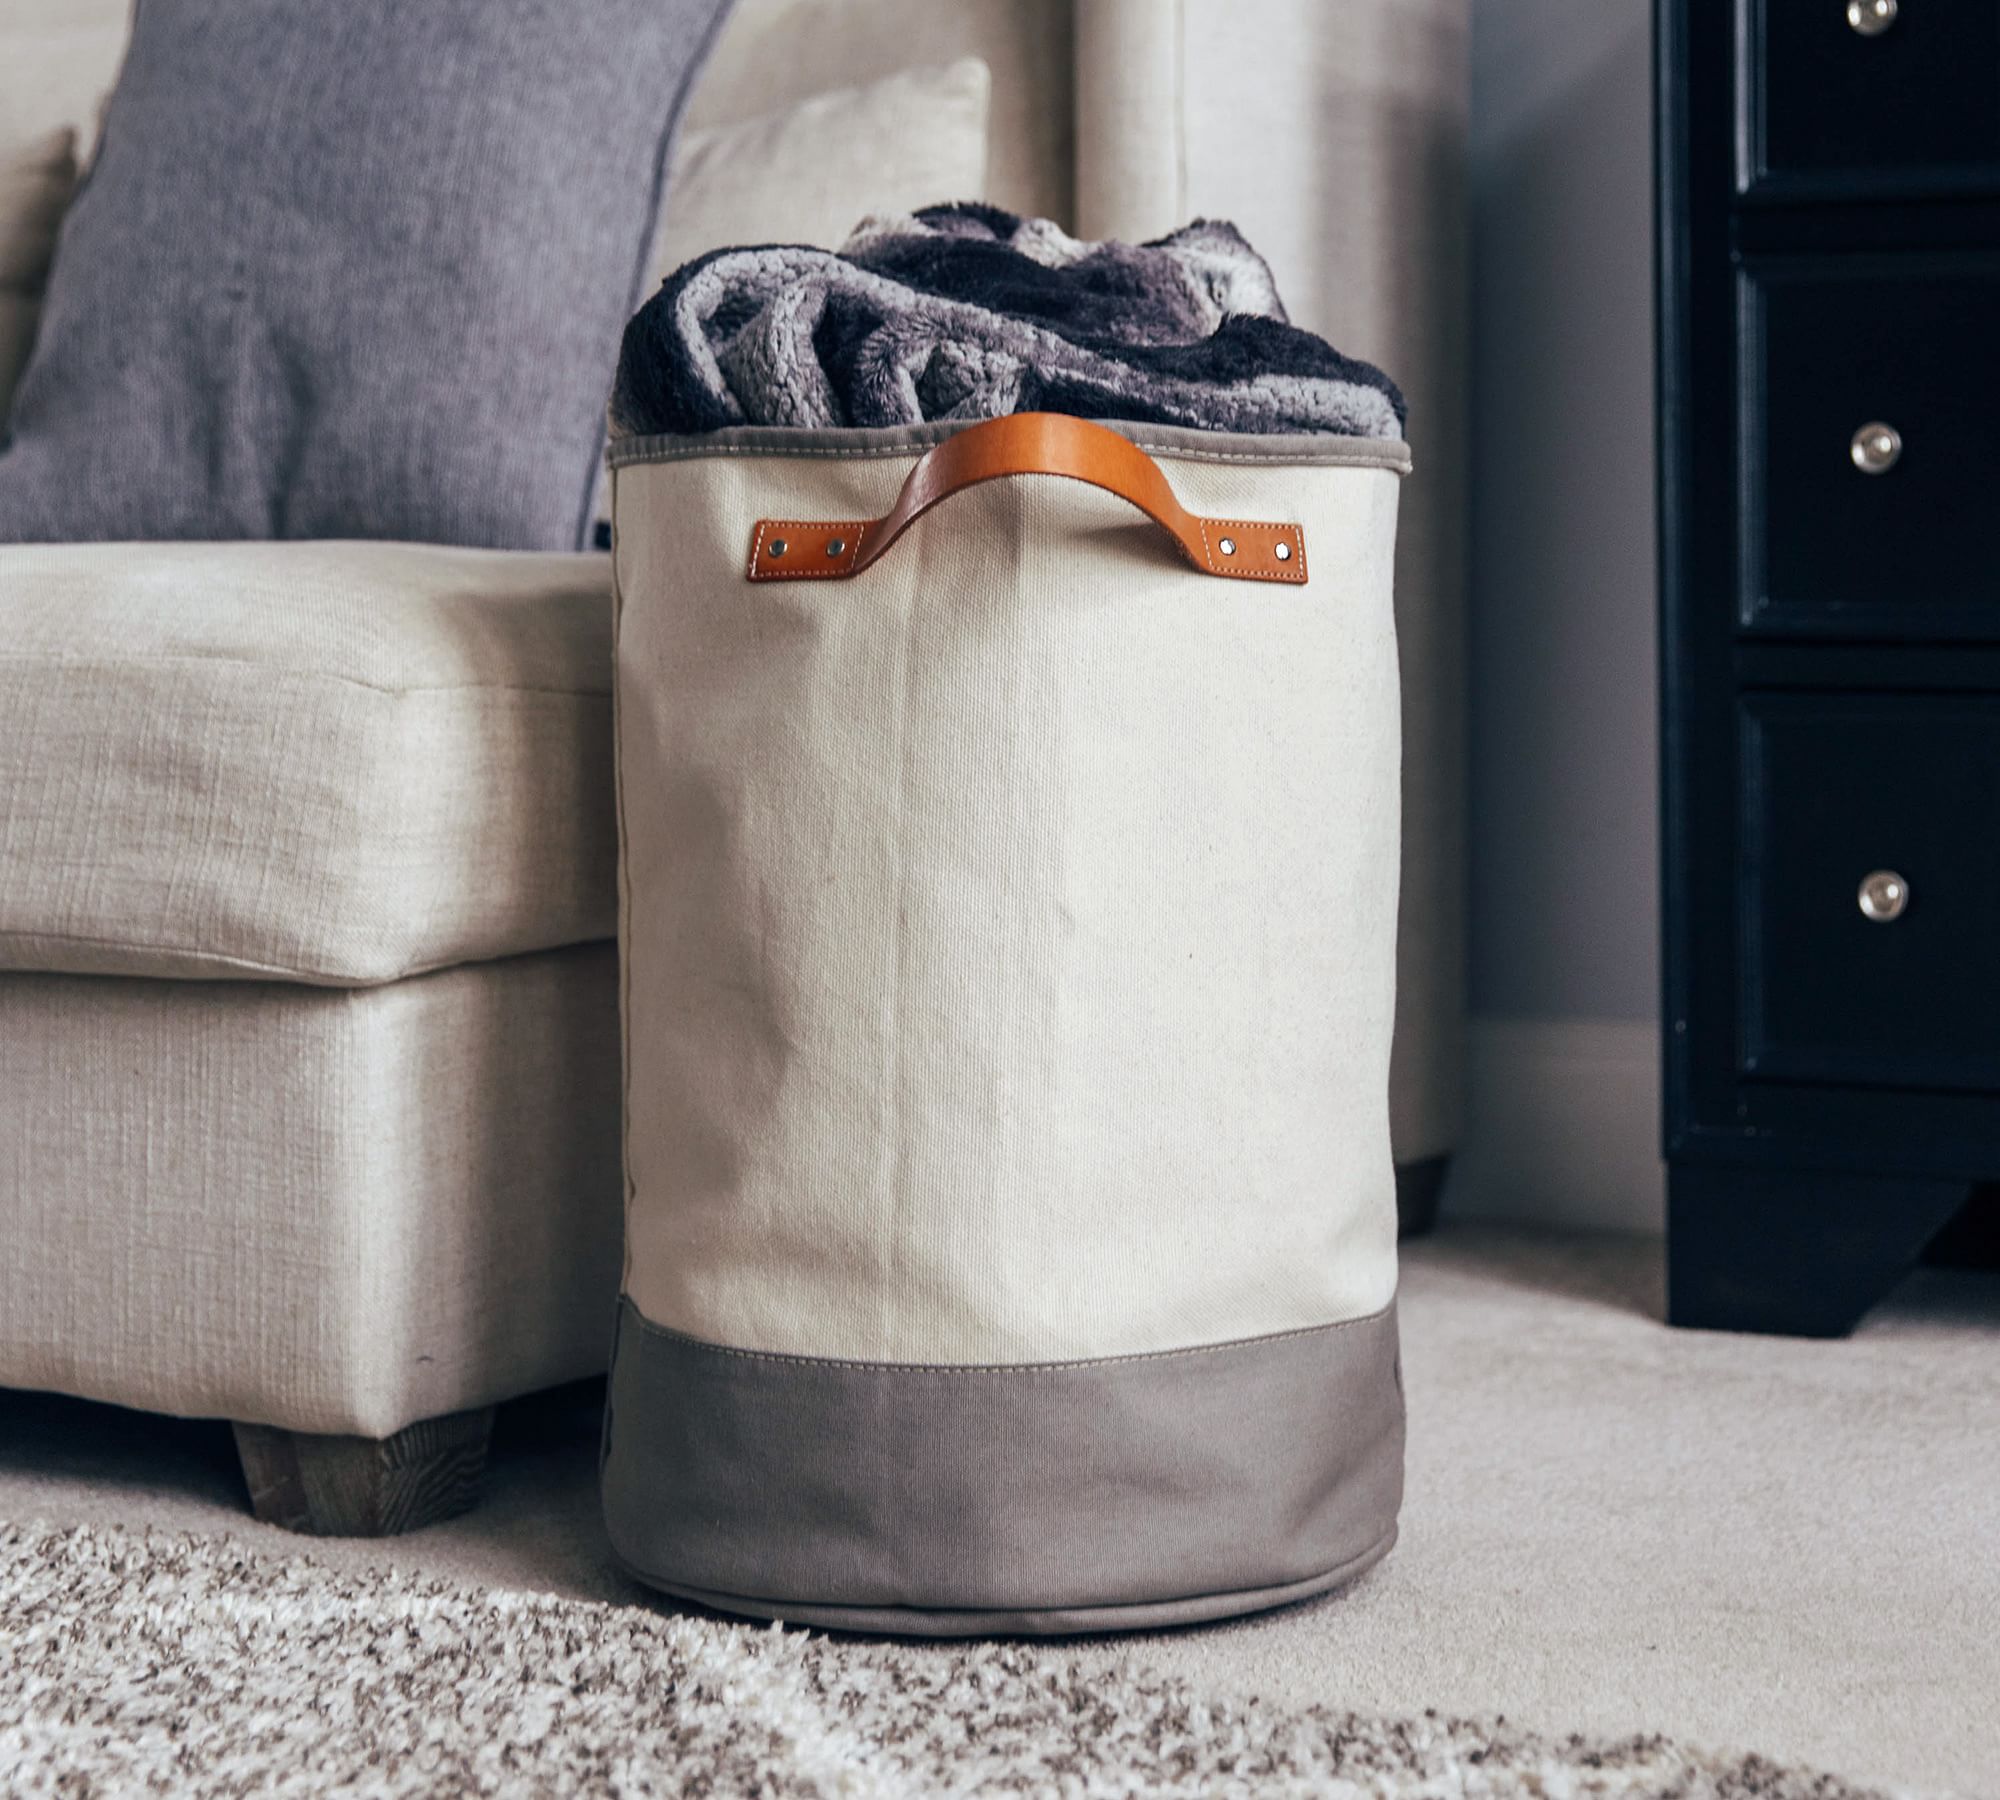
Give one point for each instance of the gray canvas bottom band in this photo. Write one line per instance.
(1043, 1497)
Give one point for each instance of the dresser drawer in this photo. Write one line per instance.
(1870, 901)
(1869, 447)
(1893, 97)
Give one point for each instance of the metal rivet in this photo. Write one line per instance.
(1883, 896)
(1876, 448)
(1283, 553)
(777, 546)
(1228, 546)
(836, 546)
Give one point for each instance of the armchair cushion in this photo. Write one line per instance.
(332, 763)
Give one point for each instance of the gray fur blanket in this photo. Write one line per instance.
(967, 312)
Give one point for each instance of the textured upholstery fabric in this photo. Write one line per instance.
(1335, 137)
(36, 179)
(1009, 932)
(350, 271)
(757, 68)
(807, 174)
(58, 59)
(328, 1211)
(330, 763)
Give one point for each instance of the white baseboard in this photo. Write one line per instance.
(1563, 1125)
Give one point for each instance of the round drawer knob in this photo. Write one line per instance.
(1875, 448)
(1883, 896)
(1870, 18)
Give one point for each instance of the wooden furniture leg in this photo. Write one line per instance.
(365, 1487)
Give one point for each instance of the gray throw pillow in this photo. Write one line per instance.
(351, 268)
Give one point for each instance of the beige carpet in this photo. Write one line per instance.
(1745, 1543)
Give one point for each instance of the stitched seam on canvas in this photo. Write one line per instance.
(642, 450)
(883, 452)
(1285, 532)
(1303, 1588)
(628, 1187)
(825, 571)
(1023, 1368)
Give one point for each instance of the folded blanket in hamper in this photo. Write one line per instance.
(968, 312)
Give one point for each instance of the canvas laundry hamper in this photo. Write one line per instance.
(1009, 817)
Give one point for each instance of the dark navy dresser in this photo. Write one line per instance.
(1829, 389)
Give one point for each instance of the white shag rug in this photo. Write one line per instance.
(142, 1662)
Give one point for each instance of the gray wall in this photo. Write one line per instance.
(1564, 1059)
(1564, 906)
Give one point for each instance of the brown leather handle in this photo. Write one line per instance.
(1032, 443)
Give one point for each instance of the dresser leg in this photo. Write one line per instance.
(1800, 1252)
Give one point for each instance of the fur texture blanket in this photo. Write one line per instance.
(967, 312)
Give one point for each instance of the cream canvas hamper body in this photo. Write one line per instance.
(1009, 944)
